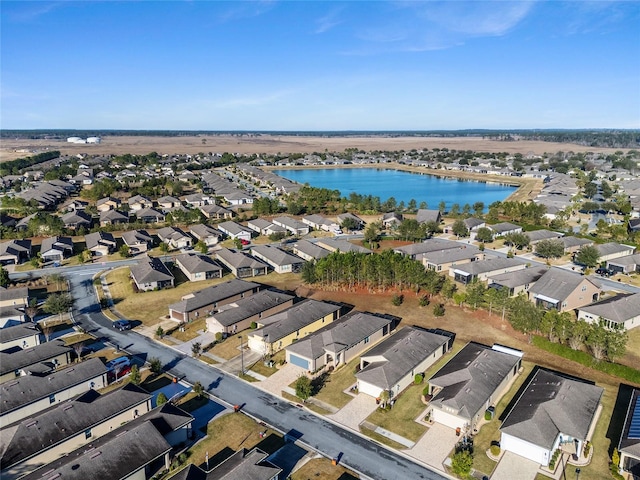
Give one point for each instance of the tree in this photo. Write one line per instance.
(438, 310)
(478, 209)
(461, 463)
(597, 341)
(475, 293)
(32, 309)
(350, 224)
(550, 248)
(303, 387)
(616, 343)
(198, 389)
(155, 365)
(484, 235)
(162, 399)
(385, 396)
(588, 255)
(78, 348)
(578, 334)
(459, 229)
(372, 234)
(411, 229)
(202, 247)
(518, 240)
(196, 348)
(134, 376)
(164, 248)
(124, 251)
(4, 277)
(590, 189)
(58, 303)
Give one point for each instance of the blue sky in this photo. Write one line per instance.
(310, 65)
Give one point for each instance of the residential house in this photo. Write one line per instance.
(56, 249)
(309, 251)
(168, 203)
(100, 243)
(573, 244)
(235, 231)
(206, 234)
(536, 236)
(613, 250)
(151, 274)
(175, 238)
(42, 438)
(563, 290)
(198, 267)
(279, 260)
(391, 220)
(481, 270)
(210, 299)
(516, 282)
(280, 330)
(629, 444)
(318, 222)
(240, 314)
(358, 221)
(138, 202)
(243, 464)
(137, 450)
(149, 215)
(343, 246)
(472, 381)
(108, 203)
(240, 264)
(265, 227)
(237, 198)
(76, 220)
(426, 216)
(12, 304)
(41, 358)
(634, 225)
(617, 312)
(14, 252)
(628, 264)
(138, 241)
(504, 228)
(442, 261)
(553, 412)
(30, 394)
(339, 342)
(198, 200)
(295, 227)
(474, 224)
(216, 212)
(416, 250)
(112, 217)
(391, 365)
(22, 335)
(76, 205)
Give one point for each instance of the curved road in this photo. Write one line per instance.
(364, 456)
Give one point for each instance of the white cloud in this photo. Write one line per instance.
(328, 21)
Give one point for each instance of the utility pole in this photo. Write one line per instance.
(241, 355)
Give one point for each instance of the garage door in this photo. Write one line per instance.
(524, 449)
(299, 361)
(364, 387)
(452, 421)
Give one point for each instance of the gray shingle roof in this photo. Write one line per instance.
(402, 351)
(113, 216)
(20, 359)
(489, 265)
(232, 228)
(46, 429)
(14, 294)
(29, 388)
(311, 249)
(196, 263)
(431, 245)
(247, 307)
(463, 252)
(238, 259)
(201, 231)
(133, 237)
(153, 270)
(211, 295)
(342, 245)
(613, 248)
(470, 378)
(22, 330)
(538, 235)
(552, 405)
(60, 243)
(572, 241)
(618, 309)
(504, 227)
(519, 277)
(557, 283)
(242, 465)
(99, 238)
(275, 255)
(294, 318)
(425, 216)
(339, 335)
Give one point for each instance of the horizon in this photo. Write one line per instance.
(271, 66)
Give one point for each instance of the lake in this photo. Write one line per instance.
(401, 185)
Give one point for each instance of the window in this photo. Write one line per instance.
(366, 340)
(52, 398)
(87, 433)
(584, 288)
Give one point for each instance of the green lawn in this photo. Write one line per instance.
(339, 380)
(382, 439)
(262, 369)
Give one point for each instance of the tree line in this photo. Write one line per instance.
(13, 167)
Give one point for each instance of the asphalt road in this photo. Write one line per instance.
(357, 453)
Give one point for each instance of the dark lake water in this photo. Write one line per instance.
(401, 185)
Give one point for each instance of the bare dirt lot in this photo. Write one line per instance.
(11, 149)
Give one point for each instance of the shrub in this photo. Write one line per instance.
(162, 399)
(495, 450)
(487, 415)
(418, 378)
(587, 449)
(438, 310)
(254, 325)
(155, 365)
(397, 300)
(425, 390)
(219, 336)
(424, 301)
(160, 332)
(461, 464)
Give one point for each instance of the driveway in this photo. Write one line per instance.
(204, 339)
(515, 467)
(282, 379)
(435, 445)
(356, 411)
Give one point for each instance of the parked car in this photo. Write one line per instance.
(605, 272)
(118, 364)
(244, 242)
(122, 325)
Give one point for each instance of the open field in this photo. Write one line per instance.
(322, 468)
(271, 144)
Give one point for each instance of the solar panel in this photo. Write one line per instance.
(634, 428)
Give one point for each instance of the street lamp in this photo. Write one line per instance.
(577, 473)
(241, 355)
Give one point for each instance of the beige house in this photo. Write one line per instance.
(39, 359)
(442, 261)
(563, 290)
(107, 203)
(23, 335)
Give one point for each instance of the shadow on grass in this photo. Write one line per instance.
(271, 443)
(156, 383)
(218, 458)
(618, 416)
(194, 403)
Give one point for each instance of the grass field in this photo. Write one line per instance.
(321, 468)
(332, 392)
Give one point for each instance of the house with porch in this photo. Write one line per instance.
(295, 227)
(279, 260)
(516, 282)
(175, 238)
(391, 219)
(319, 222)
(138, 241)
(198, 267)
(149, 215)
(555, 411)
(108, 203)
(504, 228)
(613, 250)
(629, 444)
(574, 244)
(206, 234)
(482, 269)
(627, 265)
(41, 358)
(442, 261)
(22, 335)
(216, 212)
(280, 330)
(360, 224)
(563, 290)
(14, 252)
(112, 217)
(265, 227)
(56, 249)
(240, 264)
(472, 381)
(138, 202)
(339, 342)
(309, 251)
(100, 243)
(392, 364)
(620, 312)
(151, 274)
(234, 230)
(13, 302)
(240, 314)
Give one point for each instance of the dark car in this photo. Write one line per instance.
(605, 272)
(122, 325)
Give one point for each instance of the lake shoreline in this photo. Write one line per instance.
(526, 188)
